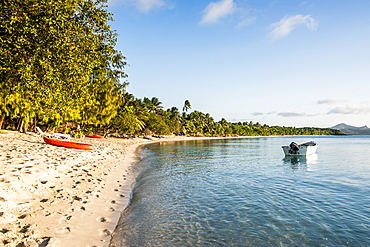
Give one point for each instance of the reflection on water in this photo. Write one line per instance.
(304, 160)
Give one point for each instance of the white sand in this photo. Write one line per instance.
(55, 196)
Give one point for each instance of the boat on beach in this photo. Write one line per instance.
(294, 149)
(68, 144)
(90, 136)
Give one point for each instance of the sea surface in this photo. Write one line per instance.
(243, 192)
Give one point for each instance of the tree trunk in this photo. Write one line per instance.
(34, 124)
(2, 120)
(106, 131)
(25, 127)
(20, 124)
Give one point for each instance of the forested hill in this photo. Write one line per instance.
(352, 130)
(59, 69)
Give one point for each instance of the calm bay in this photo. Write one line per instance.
(244, 192)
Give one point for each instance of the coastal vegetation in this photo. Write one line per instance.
(58, 63)
(59, 68)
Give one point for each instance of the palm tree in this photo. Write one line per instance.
(173, 119)
(187, 106)
(156, 104)
(153, 105)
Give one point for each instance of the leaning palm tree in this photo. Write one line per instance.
(187, 106)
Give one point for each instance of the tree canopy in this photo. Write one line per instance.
(58, 61)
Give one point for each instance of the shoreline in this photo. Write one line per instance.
(55, 196)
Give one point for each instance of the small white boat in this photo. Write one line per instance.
(306, 148)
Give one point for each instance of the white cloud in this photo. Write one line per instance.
(291, 114)
(144, 6)
(288, 23)
(239, 120)
(147, 5)
(350, 109)
(217, 10)
(257, 114)
(330, 101)
(313, 114)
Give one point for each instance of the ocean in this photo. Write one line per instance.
(244, 192)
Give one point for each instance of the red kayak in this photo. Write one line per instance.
(95, 137)
(68, 144)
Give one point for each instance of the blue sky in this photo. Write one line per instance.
(287, 63)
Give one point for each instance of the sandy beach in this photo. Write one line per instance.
(56, 196)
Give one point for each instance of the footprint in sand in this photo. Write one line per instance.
(65, 230)
(101, 219)
(111, 209)
(22, 216)
(24, 229)
(45, 241)
(104, 232)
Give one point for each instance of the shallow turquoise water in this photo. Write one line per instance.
(243, 192)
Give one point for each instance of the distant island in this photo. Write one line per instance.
(352, 130)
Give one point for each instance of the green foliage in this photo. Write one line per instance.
(157, 125)
(58, 62)
(203, 123)
(127, 121)
(173, 120)
(86, 130)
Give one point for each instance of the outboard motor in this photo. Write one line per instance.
(293, 148)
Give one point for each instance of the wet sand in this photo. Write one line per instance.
(56, 196)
